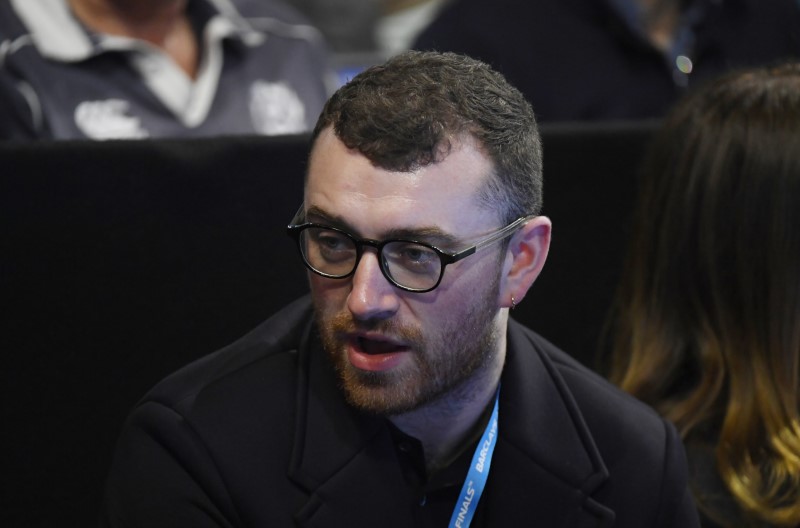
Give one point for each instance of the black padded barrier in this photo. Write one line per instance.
(121, 261)
(590, 185)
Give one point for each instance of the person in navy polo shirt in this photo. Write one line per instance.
(133, 69)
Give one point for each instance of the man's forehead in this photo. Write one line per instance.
(446, 195)
(465, 167)
(327, 140)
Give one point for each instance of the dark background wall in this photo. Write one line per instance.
(122, 261)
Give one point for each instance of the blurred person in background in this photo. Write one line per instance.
(707, 320)
(403, 21)
(348, 25)
(592, 60)
(363, 33)
(128, 69)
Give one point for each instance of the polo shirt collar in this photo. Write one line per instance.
(59, 36)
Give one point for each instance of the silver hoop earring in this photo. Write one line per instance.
(513, 303)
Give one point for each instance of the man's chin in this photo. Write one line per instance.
(378, 393)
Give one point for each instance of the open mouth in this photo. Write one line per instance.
(376, 355)
(377, 346)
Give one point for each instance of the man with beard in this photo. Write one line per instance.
(401, 393)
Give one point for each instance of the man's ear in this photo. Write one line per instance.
(527, 252)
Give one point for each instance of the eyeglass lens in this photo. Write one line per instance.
(335, 254)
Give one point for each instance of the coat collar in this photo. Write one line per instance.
(346, 461)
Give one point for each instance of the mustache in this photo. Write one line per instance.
(344, 323)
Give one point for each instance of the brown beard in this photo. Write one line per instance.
(442, 363)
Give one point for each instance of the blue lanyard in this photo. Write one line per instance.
(478, 473)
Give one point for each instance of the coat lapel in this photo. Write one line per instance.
(544, 472)
(546, 456)
(345, 460)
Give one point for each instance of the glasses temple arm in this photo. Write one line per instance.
(297, 216)
(503, 233)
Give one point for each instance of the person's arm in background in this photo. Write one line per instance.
(19, 119)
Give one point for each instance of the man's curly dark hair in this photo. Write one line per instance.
(408, 112)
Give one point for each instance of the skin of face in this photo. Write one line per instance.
(396, 351)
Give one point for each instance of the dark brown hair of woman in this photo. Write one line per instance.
(707, 319)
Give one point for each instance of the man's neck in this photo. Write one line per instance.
(445, 424)
(162, 23)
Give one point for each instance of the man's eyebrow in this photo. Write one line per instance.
(428, 234)
(319, 216)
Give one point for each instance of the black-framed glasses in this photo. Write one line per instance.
(411, 265)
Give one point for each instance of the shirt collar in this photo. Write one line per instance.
(58, 35)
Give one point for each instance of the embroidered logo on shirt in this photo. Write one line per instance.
(276, 109)
(108, 119)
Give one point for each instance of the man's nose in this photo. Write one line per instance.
(372, 295)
